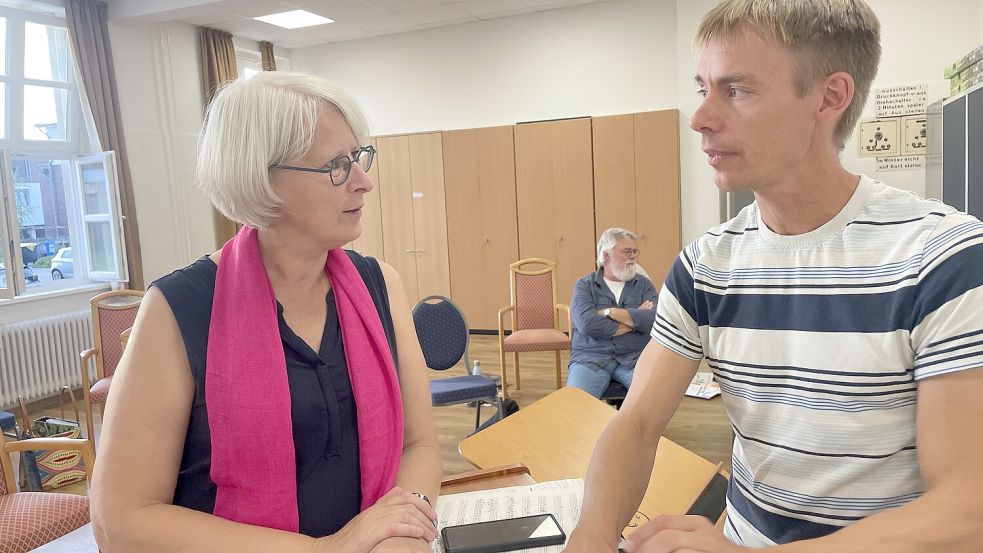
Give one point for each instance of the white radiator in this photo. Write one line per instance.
(40, 356)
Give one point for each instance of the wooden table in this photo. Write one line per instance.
(555, 439)
(82, 540)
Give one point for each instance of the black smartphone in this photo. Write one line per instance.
(507, 534)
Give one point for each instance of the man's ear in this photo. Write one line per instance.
(838, 90)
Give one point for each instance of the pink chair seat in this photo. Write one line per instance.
(100, 390)
(29, 520)
(537, 339)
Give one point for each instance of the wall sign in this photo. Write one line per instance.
(898, 101)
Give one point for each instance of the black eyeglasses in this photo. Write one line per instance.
(340, 167)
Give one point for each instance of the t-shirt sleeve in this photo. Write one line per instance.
(947, 318)
(676, 326)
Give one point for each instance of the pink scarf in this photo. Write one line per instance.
(248, 398)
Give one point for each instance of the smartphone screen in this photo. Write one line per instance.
(503, 535)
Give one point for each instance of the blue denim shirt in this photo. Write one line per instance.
(593, 338)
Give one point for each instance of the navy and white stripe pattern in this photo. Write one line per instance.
(818, 342)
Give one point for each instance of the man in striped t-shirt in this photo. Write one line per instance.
(843, 318)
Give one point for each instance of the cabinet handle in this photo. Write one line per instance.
(412, 251)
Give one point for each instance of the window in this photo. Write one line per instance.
(248, 62)
(60, 223)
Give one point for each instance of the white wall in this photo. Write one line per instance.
(613, 57)
(159, 77)
(918, 41)
(597, 59)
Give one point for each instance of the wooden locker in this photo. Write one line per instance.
(555, 197)
(370, 241)
(636, 183)
(395, 192)
(482, 234)
(429, 215)
(657, 191)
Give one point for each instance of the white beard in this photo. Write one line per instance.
(625, 274)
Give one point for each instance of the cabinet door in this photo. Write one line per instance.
(614, 172)
(555, 197)
(482, 237)
(370, 241)
(429, 215)
(636, 183)
(657, 191)
(395, 192)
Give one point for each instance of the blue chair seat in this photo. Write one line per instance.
(8, 424)
(461, 389)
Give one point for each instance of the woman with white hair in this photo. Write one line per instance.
(273, 395)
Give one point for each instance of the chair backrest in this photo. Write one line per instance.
(442, 331)
(7, 484)
(533, 293)
(112, 313)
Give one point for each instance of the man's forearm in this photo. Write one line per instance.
(617, 477)
(949, 520)
(622, 316)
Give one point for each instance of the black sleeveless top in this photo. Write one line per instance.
(323, 413)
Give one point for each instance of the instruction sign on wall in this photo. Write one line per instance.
(898, 101)
(900, 163)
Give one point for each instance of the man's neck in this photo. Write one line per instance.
(807, 199)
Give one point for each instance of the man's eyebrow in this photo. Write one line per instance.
(729, 80)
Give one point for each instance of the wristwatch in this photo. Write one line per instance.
(423, 497)
(607, 312)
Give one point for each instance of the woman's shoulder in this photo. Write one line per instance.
(189, 292)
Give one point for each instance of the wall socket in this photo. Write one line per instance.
(914, 135)
(879, 138)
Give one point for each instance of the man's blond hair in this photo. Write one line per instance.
(823, 37)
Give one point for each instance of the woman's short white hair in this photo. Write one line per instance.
(609, 238)
(253, 124)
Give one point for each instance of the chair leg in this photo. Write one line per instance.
(505, 380)
(515, 360)
(89, 424)
(477, 414)
(559, 375)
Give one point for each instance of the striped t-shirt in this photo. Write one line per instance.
(818, 341)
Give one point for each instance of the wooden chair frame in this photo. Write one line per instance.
(98, 303)
(516, 269)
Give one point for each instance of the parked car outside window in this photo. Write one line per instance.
(62, 265)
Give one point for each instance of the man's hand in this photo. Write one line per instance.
(623, 329)
(578, 543)
(679, 533)
(647, 304)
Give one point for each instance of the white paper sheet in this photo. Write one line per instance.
(562, 498)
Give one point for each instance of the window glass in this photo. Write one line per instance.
(45, 113)
(45, 52)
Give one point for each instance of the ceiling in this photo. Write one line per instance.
(354, 19)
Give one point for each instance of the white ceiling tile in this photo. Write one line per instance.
(486, 9)
(210, 20)
(401, 5)
(437, 15)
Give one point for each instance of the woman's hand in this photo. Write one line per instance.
(398, 514)
(402, 545)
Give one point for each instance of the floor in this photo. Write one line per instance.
(699, 425)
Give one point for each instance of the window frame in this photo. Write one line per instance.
(73, 150)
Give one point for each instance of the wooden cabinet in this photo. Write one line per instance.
(555, 197)
(414, 224)
(636, 183)
(370, 241)
(479, 187)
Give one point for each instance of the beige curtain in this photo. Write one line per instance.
(218, 66)
(266, 55)
(89, 35)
